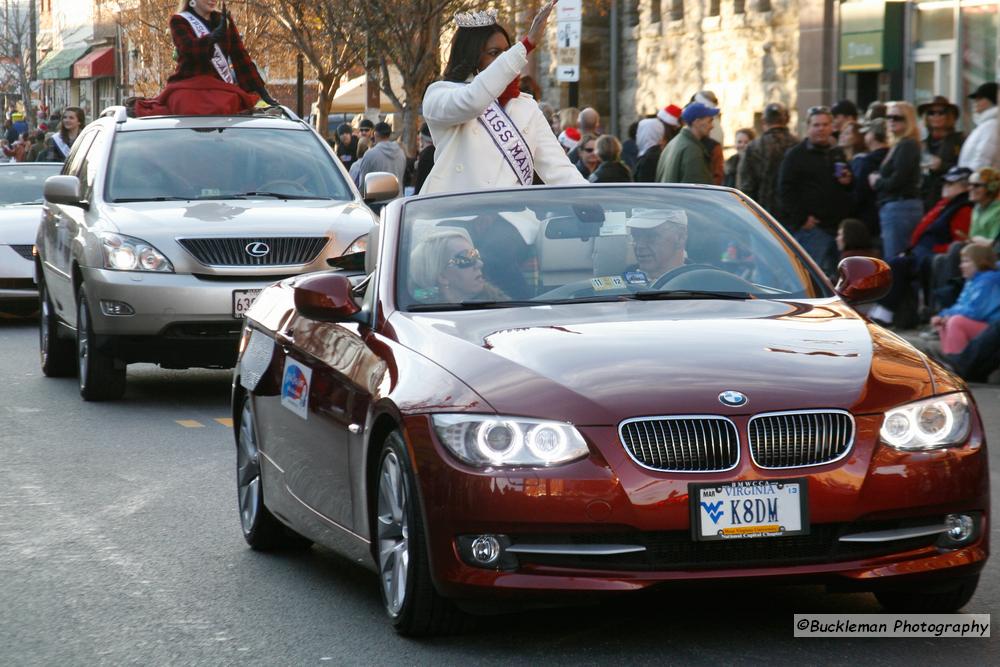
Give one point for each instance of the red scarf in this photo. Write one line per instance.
(512, 90)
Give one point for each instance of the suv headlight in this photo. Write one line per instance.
(940, 421)
(359, 244)
(125, 253)
(485, 440)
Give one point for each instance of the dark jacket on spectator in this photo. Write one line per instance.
(425, 161)
(900, 173)
(808, 186)
(611, 172)
(757, 174)
(645, 166)
(865, 206)
(947, 148)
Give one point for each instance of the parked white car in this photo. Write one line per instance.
(20, 210)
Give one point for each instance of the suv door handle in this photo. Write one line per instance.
(286, 337)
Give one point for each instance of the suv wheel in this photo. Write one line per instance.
(102, 377)
(55, 353)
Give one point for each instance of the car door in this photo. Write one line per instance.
(61, 225)
(338, 366)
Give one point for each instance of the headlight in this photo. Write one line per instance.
(359, 244)
(483, 440)
(124, 253)
(941, 421)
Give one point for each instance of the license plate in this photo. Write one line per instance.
(749, 509)
(242, 300)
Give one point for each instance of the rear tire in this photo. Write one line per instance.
(261, 530)
(56, 355)
(941, 600)
(102, 377)
(408, 594)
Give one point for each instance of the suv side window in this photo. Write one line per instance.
(88, 172)
(76, 154)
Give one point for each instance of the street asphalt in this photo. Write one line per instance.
(120, 544)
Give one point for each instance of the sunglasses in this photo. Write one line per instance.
(977, 185)
(937, 112)
(896, 119)
(812, 111)
(587, 150)
(465, 259)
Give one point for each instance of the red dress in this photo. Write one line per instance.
(195, 87)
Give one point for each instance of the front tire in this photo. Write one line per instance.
(55, 354)
(261, 530)
(408, 594)
(942, 599)
(102, 377)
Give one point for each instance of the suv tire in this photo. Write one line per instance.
(55, 354)
(102, 377)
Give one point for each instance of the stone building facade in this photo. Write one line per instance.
(749, 52)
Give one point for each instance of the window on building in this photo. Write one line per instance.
(714, 7)
(632, 13)
(655, 12)
(739, 6)
(676, 10)
(763, 5)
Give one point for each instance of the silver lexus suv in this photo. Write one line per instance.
(160, 232)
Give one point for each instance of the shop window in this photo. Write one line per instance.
(714, 7)
(979, 55)
(935, 23)
(676, 10)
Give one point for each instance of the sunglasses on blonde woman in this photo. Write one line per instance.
(465, 259)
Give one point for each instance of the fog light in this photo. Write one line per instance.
(485, 549)
(116, 308)
(961, 528)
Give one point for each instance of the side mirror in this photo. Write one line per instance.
(380, 186)
(325, 297)
(64, 190)
(863, 279)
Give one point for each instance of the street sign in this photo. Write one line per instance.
(568, 34)
(568, 50)
(569, 10)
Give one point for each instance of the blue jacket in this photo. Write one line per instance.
(980, 298)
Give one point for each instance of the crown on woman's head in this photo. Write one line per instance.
(476, 19)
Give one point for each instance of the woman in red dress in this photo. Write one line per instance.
(215, 74)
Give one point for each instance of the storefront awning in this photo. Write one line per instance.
(59, 64)
(97, 63)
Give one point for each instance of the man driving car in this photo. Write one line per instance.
(659, 237)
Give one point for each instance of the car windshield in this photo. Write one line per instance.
(537, 246)
(24, 184)
(222, 163)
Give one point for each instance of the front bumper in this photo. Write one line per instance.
(608, 499)
(17, 275)
(162, 301)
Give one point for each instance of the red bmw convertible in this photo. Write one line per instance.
(534, 393)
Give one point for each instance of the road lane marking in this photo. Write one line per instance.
(225, 421)
(190, 423)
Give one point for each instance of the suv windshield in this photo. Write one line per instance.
(593, 244)
(24, 184)
(221, 163)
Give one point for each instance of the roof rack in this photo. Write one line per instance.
(118, 112)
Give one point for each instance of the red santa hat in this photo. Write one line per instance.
(569, 138)
(670, 114)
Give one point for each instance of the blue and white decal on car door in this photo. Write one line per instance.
(295, 383)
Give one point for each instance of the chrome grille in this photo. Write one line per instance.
(806, 438)
(682, 444)
(23, 250)
(282, 251)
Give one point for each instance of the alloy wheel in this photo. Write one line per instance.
(248, 471)
(83, 340)
(393, 533)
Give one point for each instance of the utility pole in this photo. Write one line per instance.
(32, 42)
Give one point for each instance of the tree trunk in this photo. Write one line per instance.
(328, 85)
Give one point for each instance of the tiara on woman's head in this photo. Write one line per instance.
(476, 19)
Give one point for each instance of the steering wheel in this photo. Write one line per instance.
(281, 185)
(702, 277)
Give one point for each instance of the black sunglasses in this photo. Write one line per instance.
(814, 111)
(937, 112)
(895, 118)
(465, 259)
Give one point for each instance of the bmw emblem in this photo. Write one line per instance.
(257, 249)
(733, 399)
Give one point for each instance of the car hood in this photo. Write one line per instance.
(270, 217)
(19, 223)
(596, 364)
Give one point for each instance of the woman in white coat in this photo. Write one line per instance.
(487, 133)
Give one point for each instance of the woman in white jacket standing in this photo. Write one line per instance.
(487, 133)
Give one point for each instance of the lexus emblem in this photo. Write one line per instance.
(257, 249)
(733, 399)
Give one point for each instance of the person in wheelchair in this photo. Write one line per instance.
(445, 267)
(659, 238)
